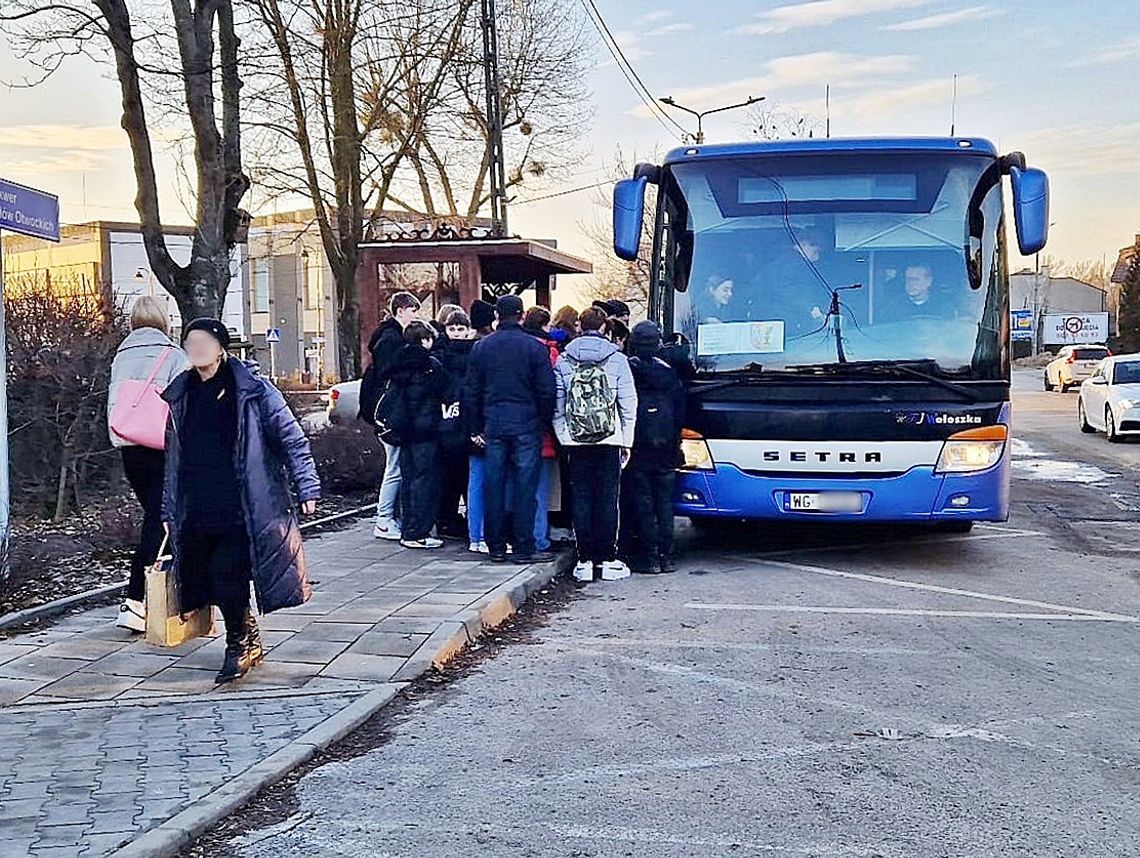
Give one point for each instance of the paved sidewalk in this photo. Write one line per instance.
(106, 740)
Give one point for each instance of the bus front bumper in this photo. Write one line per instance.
(919, 495)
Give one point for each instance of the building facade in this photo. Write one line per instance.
(108, 257)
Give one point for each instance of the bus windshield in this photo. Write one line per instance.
(767, 263)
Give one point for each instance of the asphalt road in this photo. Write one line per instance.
(800, 693)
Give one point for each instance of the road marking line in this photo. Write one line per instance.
(912, 612)
(952, 591)
(1002, 533)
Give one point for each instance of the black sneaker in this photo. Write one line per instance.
(668, 565)
(498, 557)
(536, 557)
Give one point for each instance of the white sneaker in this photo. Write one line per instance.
(478, 548)
(386, 528)
(132, 615)
(614, 570)
(584, 572)
(426, 542)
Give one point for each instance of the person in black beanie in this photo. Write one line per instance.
(648, 481)
(482, 317)
(232, 449)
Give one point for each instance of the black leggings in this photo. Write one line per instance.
(215, 569)
(144, 469)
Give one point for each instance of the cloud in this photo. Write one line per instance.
(654, 25)
(1125, 50)
(1090, 149)
(820, 13)
(883, 102)
(78, 137)
(798, 72)
(56, 162)
(946, 19)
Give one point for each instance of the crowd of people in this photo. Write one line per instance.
(509, 429)
(512, 429)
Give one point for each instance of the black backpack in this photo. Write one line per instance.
(369, 395)
(656, 427)
(391, 418)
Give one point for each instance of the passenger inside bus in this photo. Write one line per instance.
(914, 293)
(715, 303)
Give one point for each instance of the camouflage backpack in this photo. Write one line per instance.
(591, 407)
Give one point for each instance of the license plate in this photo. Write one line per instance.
(825, 502)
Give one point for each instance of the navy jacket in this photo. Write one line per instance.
(271, 452)
(510, 385)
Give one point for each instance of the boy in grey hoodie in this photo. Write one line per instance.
(594, 418)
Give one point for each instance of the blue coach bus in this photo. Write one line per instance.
(843, 306)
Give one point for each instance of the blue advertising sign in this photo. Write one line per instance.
(28, 211)
(1021, 324)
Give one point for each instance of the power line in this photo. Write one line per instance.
(628, 71)
(566, 192)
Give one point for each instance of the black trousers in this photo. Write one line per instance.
(454, 467)
(420, 477)
(215, 570)
(647, 512)
(595, 474)
(144, 468)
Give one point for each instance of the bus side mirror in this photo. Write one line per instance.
(629, 216)
(1030, 208)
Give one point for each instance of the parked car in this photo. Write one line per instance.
(1110, 398)
(344, 402)
(1073, 365)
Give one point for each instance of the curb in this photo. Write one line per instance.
(444, 644)
(57, 605)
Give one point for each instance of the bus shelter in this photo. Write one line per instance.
(448, 267)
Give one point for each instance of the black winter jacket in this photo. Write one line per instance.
(386, 342)
(425, 384)
(657, 444)
(509, 388)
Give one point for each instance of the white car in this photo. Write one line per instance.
(1110, 398)
(343, 402)
(1073, 365)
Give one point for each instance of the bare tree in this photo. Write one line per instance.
(779, 122)
(1091, 271)
(46, 32)
(328, 119)
(369, 108)
(614, 277)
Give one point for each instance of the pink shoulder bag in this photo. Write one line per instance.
(140, 413)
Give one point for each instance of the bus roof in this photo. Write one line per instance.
(974, 145)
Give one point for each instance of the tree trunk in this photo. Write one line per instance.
(61, 484)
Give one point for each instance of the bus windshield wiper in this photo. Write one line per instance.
(920, 369)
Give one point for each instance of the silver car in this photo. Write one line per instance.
(343, 402)
(1073, 365)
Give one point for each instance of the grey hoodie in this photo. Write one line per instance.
(134, 361)
(596, 348)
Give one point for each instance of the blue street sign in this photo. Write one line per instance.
(28, 211)
(1021, 324)
(273, 335)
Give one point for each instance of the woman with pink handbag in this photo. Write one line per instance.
(145, 363)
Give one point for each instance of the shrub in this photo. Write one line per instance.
(349, 458)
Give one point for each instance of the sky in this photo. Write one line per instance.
(1055, 80)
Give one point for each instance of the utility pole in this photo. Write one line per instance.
(498, 173)
(699, 139)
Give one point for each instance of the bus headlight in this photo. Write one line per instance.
(972, 450)
(696, 451)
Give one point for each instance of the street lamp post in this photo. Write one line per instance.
(701, 114)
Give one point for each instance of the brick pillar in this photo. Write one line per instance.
(470, 280)
(367, 297)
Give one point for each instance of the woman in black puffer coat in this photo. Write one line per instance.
(422, 383)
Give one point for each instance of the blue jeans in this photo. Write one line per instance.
(390, 487)
(542, 501)
(475, 479)
(514, 460)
